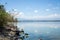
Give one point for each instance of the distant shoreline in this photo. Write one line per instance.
(39, 21)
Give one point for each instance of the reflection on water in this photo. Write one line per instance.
(44, 30)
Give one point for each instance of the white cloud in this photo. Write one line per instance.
(7, 11)
(37, 17)
(17, 14)
(14, 9)
(54, 15)
(36, 11)
(46, 17)
(47, 9)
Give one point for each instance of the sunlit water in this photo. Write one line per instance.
(41, 30)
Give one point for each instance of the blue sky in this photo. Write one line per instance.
(33, 9)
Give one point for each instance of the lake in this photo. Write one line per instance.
(41, 30)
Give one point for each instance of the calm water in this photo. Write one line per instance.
(44, 30)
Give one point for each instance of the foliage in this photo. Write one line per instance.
(4, 16)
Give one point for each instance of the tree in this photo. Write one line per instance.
(4, 16)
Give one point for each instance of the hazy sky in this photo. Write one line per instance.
(33, 9)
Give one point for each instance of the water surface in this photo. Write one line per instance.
(44, 30)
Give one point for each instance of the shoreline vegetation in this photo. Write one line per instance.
(8, 31)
